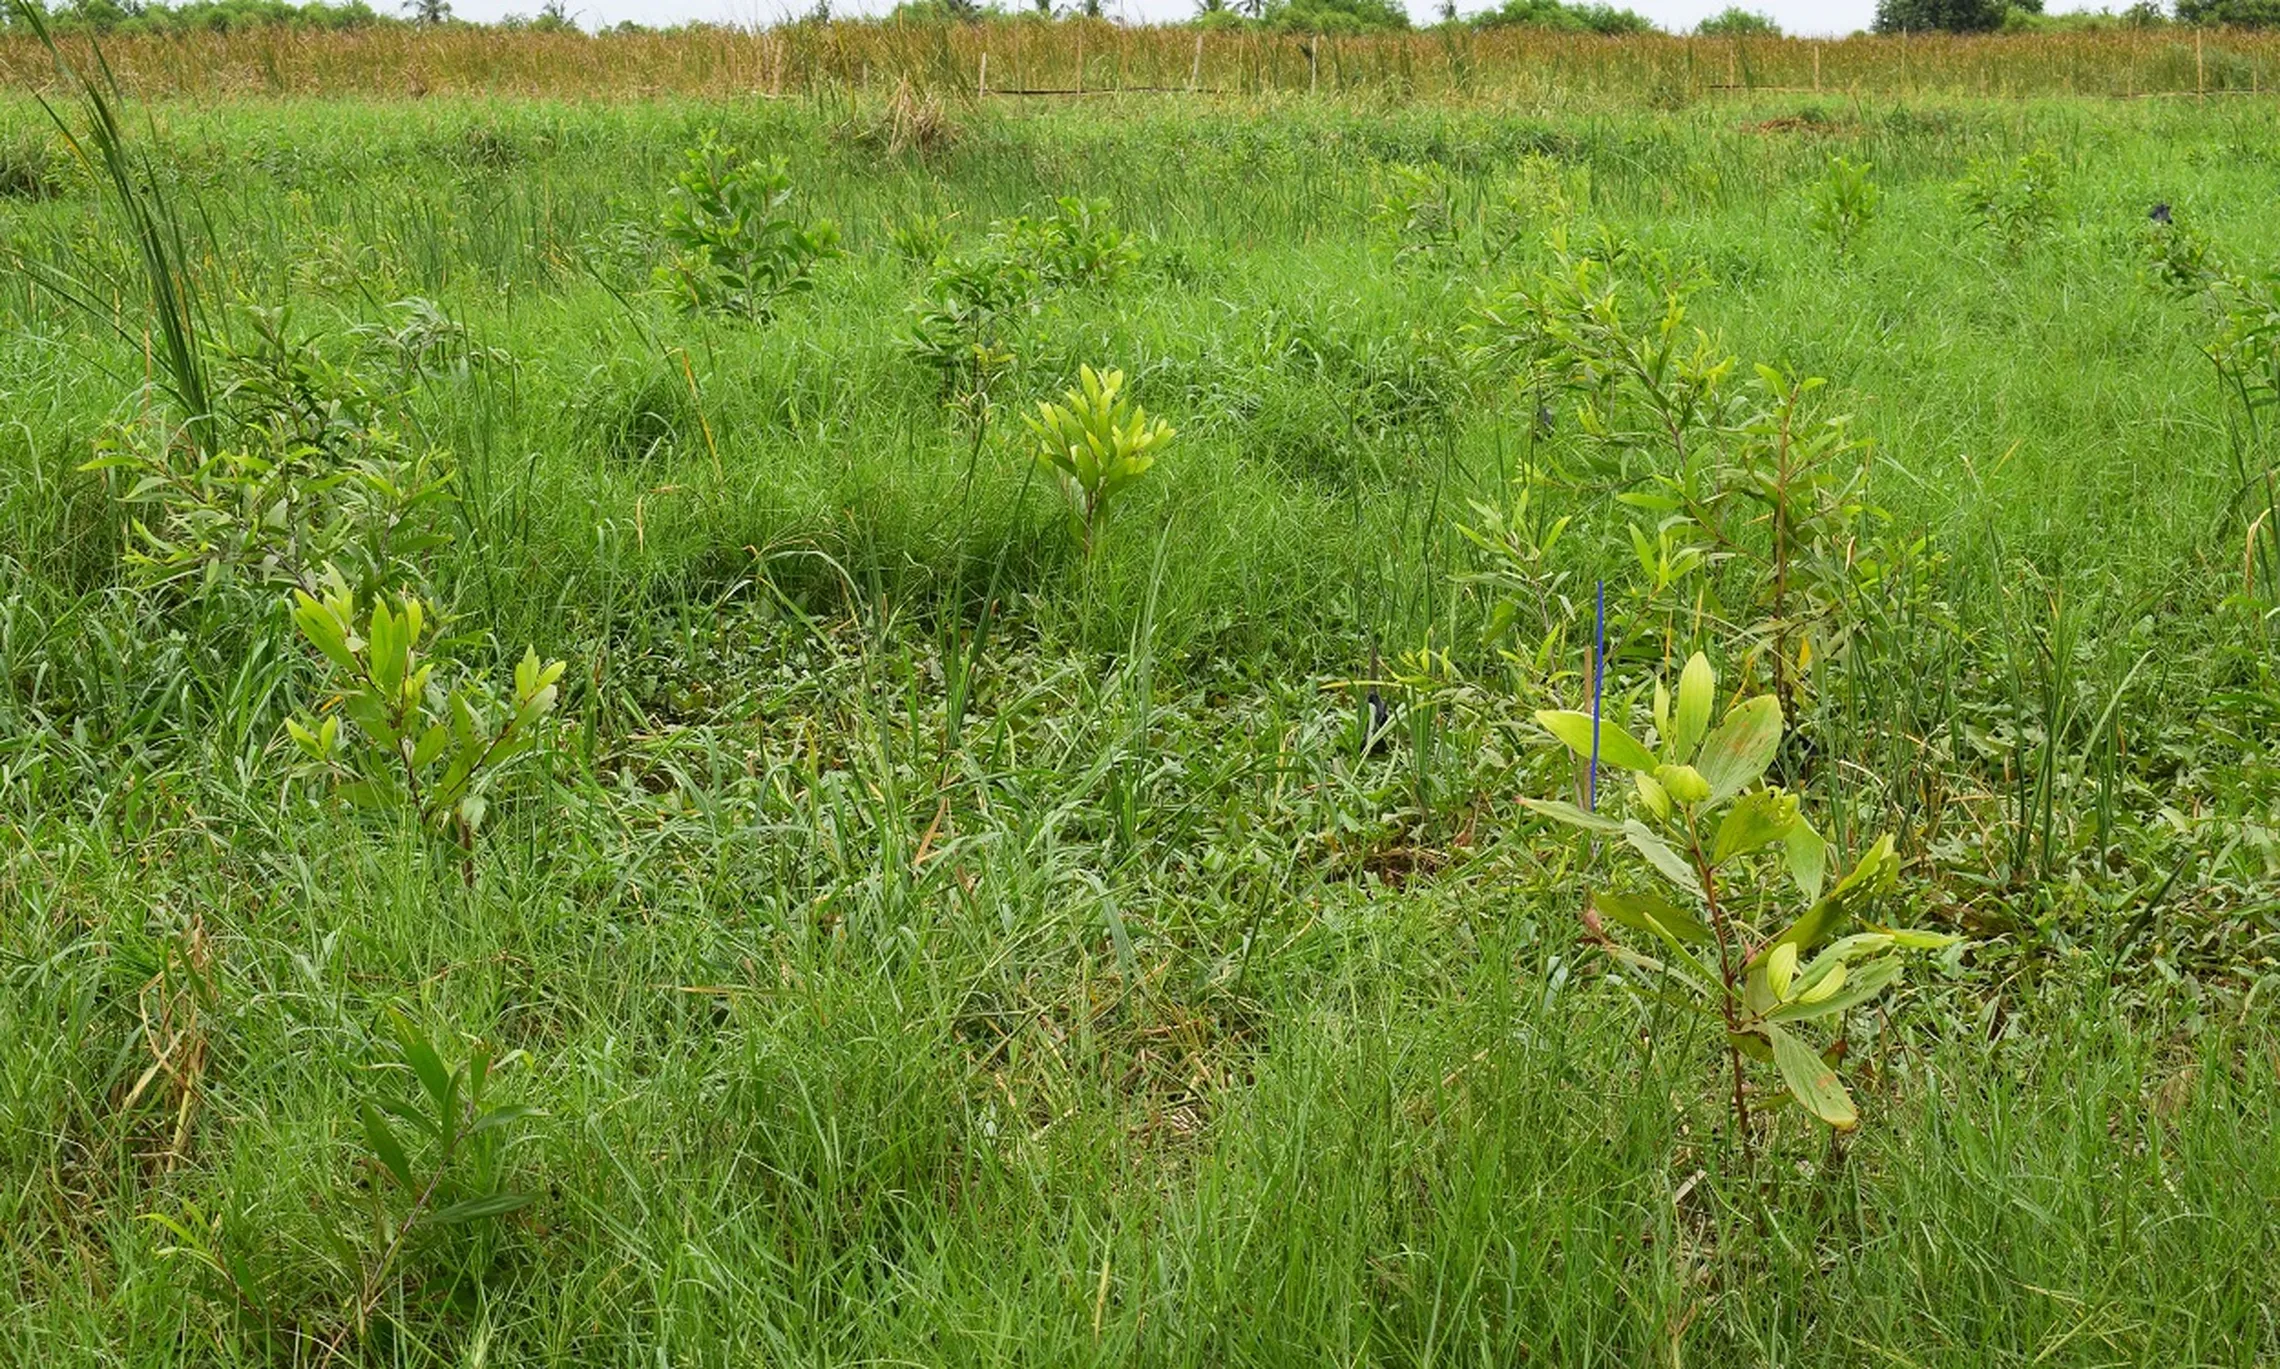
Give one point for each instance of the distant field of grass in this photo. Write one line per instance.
(923, 941)
(1012, 55)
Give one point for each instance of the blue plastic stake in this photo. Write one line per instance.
(1598, 678)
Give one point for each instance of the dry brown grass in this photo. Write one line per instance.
(930, 62)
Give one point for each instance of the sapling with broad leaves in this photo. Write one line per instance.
(1097, 442)
(738, 246)
(431, 750)
(1701, 820)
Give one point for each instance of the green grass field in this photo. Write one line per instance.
(922, 940)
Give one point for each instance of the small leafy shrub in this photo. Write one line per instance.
(1701, 824)
(485, 148)
(253, 518)
(1097, 442)
(1606, 324)
(434, 753)
(1537, 194)
(960, 328)
(309, 468)
(962, 325)
(1844, 203)
(278, 388)
(1415, 215)
(1781, 498)
(453, 1169)
(736, 246)
(1736, 22)
(2016, 201)
(422, 342)
(921, 239)
(2177, 258)
(1078, 245)
(1752, 504)
(438, 1149)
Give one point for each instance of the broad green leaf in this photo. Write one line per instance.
(385, 1147)
(1821, 989)
(1653, 914)
(323, 631)
(1781, 971)
(1757, 819)
(1573, 816)
(365, 794)
(1846, 948)
(1872, 878)
(1860, 986)
(1737, 753)
(1652, 794)
(503, 1116)
(1616, 747)
(1752, 1045)
(429, 746)
(1697, 687)
(1808, 858)
(420, 1054)
(1812, 1080)
(387, 652)
(1667, 862)
(1917, 939)
(1688, 971)
(304, 738)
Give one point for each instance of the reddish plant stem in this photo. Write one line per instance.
(1723, 931)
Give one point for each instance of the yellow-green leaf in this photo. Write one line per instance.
(1659, 854)
(1812, 1080)
(1739, 751)
(1756, 820)
(1572, 815)
(1616, 747)
(1653, 914)
(1697, 687)
(1781, 971)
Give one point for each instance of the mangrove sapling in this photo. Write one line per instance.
(431, 751)
(2014, 201)
(1844, 202)
(737, 248)
(260, 515)
(1097, 442)
(1702, 821)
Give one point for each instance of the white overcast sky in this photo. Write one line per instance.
(1794, 16)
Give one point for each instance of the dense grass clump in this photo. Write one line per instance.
(916, 926)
